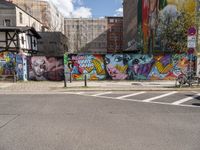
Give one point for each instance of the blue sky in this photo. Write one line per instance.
(89, 8)
(100, 8)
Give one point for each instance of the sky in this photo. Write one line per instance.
(89, 8)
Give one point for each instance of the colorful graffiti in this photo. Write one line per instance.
(46, 68)
(90, 65)
(7, 63)
(128, 66)
(163, 24)
(116, 66)
(19, 67)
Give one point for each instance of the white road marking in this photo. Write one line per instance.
(185, 99)
(152, 102)
(80, 93)
(99, 94)
(133, 94)
(160, 96)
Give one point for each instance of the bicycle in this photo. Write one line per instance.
(188, 78)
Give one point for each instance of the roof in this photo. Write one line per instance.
(21, 29)
(5, 5)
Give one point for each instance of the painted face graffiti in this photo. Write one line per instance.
(115, 66)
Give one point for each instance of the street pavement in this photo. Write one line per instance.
(80, 122)
(56, 87)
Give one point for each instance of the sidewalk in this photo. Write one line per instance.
(57, 87)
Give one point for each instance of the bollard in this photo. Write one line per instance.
(65, 82)
(70, 77)
(85, 80)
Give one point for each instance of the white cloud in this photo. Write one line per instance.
(67, 8)
(119, 12)
(82, 12)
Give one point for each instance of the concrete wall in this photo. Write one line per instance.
(52, 44)
(128, 66)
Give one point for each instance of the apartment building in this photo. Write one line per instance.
(115, 35)
(13, 16)
(45, 11)
(86, 35)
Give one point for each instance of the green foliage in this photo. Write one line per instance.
(173, 31)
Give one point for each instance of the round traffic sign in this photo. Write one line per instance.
(192, 31)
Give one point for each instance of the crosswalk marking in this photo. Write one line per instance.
(185, 99)
(104, 93)
(160, 96)
(129, 95)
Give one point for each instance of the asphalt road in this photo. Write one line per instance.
(82, 122)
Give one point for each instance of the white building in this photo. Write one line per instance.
(45, 11)
(13, 16)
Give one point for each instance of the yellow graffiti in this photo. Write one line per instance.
(163, 69)
(122, 69)
(98, 67)
(89, 69)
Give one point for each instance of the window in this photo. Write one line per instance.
(34, 43)
(20, 17)
(7, 23)
(22, 40)
(111, 20)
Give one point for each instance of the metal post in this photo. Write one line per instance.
(85, 80)
(70, 77)
(65, 82)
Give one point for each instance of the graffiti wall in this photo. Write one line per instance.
(45, 68)
(19, 67)
(90, 65)
(128, 66)
(7, 63)
(163, 24)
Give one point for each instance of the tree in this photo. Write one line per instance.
(173, 31)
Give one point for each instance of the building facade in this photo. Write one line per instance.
(86, 35)
(45, 11)
(13, 16)
(129, 25)
(115, 35)
(52, 44)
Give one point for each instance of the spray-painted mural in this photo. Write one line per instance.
(19, 67)
(46, 68)
(163, 24)
(7, 63)
(116, 66)
(129, 66)
(91, 65)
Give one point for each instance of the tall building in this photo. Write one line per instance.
(115, 35)
(129, 25)
(45, 11)
(13, 16)
(86, 35)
